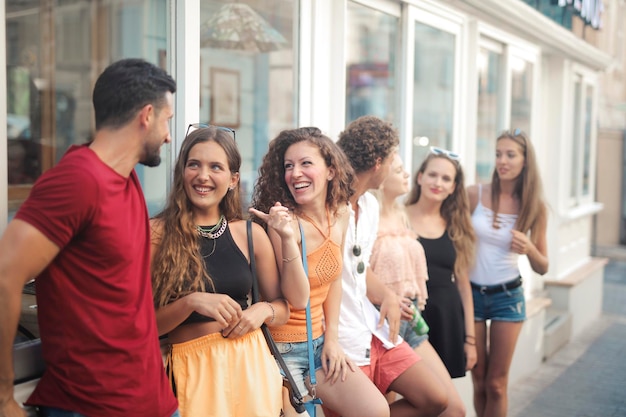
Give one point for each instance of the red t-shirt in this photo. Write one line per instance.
(95, 311)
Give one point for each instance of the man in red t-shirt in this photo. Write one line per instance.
(83, 233)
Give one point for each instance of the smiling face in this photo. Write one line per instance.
(437, 180)
(397, 182)
(509, 159)
(207, 178)
(306, 173)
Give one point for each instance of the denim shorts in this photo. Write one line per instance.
(505, 305)
(296, 357)
(409, 335)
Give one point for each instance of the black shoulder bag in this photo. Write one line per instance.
(295, 397)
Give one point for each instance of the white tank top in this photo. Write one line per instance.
(495, 262)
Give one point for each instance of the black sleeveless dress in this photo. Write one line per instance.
(444, 308)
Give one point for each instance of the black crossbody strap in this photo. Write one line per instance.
(295, 397)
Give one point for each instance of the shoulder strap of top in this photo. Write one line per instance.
(319, 229)
(480, 192)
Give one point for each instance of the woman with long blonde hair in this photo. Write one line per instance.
(510, 219)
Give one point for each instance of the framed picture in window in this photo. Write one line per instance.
(225, 97)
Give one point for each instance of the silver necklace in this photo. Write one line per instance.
(211, 233)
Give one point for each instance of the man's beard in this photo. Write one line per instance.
(152, 158)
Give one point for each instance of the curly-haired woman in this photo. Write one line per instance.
(305, 181)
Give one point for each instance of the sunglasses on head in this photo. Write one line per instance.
(195, 126)
(439, 151)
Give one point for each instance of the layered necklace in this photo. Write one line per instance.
(215, 231)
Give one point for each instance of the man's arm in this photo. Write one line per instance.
(24, 253)
(378, 293)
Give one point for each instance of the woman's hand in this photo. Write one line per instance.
(470, 356)
(251, 319)
(521, 243)
(406, 312)
(220, 307)
(334, 362)
(278, 219)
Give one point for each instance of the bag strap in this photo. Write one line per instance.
(295, 397)
(309, 405)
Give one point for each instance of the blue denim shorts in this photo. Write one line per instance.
(408, 334)
(505, 305)
(296, 356)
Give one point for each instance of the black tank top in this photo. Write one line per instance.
(228, 268)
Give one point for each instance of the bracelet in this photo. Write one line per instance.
(470, 337)
(469, 343)
(273, 312)
(287, 260)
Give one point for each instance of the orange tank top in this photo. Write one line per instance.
(325, 263)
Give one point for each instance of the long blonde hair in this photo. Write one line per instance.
(528, 188)
(455, 210)
(178, 268)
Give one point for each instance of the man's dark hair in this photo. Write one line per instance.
(366, 139)
(125, 87)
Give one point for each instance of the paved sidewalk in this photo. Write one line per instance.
(587, 377)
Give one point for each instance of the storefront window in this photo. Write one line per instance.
(248, 74)
(371, 80)
(581, 141)
(433, 93)
(521, 94)
(55, 51)
(490, 117)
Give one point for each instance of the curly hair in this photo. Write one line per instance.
(271, 187)
(528, 189)
(177, 265)
(455, 210)
(367, 139)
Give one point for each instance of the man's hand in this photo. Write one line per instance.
(390, 310)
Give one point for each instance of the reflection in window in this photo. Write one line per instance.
(521, 94)
(489, 111)
(576, 139)
(587, 142)
(247, 74)
(433, 95)
(371, 79)
(55, 50)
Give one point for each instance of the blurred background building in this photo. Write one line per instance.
(448, 73)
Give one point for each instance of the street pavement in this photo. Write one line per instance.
(587, 377)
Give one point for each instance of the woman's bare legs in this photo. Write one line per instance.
(429, 355)
(422, 391)
(491, 375)
(357, 396)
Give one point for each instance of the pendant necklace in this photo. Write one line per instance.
(356, 248)
(210, 233)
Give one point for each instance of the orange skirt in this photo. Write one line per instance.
(217, 377)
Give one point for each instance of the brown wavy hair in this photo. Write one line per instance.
(177, 265)
(366, 139)
(528, 188)
(271, 187)
(455, 210)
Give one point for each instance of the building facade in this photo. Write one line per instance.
(447, 73)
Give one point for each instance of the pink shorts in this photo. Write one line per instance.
(386, 365)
